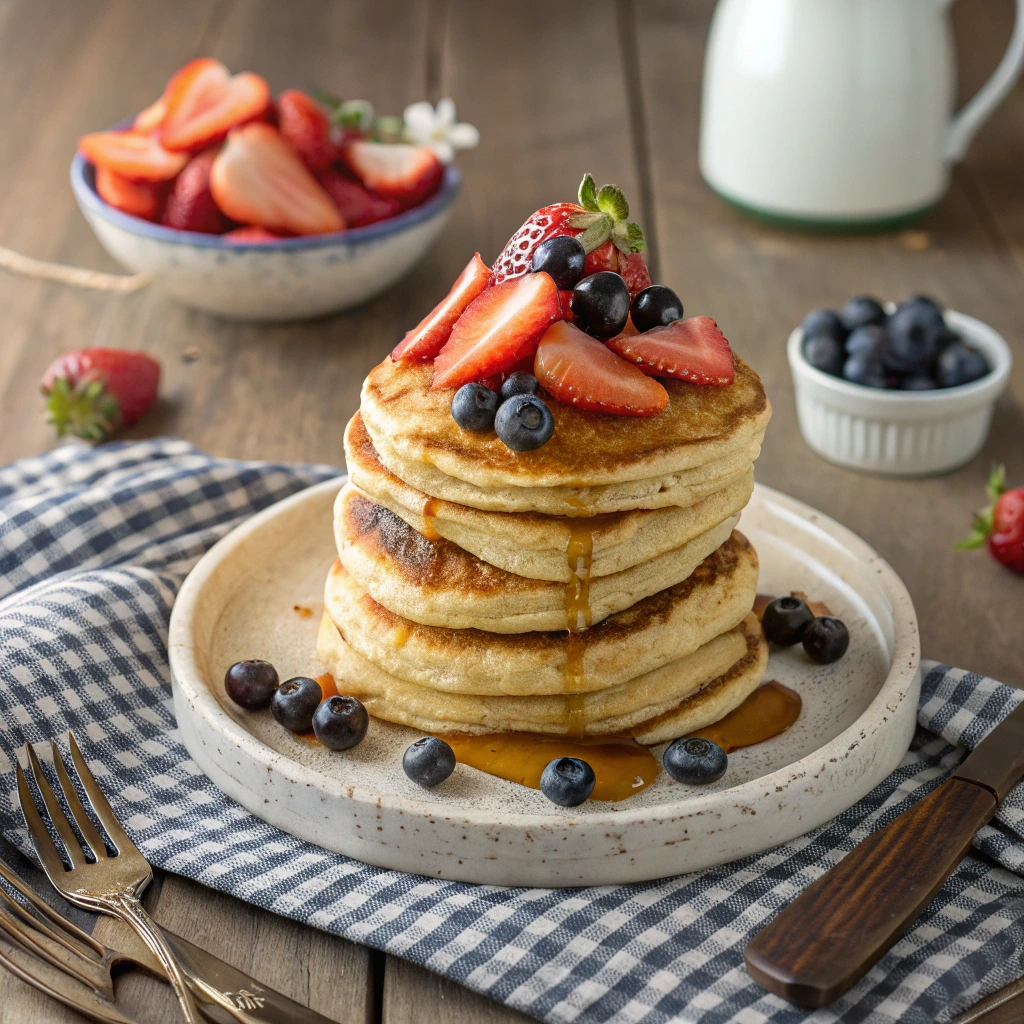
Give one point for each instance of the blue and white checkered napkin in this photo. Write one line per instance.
(93, 547)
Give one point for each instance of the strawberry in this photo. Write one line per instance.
(257, 178)
(250, 235)
(407, 174)
(134, 156)
(634, 271)
(1001, 525)
(190, 205)
(578, 370)
(431, 334)
(93, 391)
(152, 117)
(204, 101)
(599, 221)
(500, 326)
(357, 205)
(306, 127)
(139, 198)
(693, 350)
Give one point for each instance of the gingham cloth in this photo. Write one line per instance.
(93, 547)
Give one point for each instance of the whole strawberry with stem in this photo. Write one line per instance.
(91, 392)
(600, 220)
(1001, 525)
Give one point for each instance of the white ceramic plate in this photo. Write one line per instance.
(258, 594)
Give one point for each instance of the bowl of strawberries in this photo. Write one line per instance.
(260, 208)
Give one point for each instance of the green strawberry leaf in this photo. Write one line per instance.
(582, 221)
(637, 242)
(610, 200)
(328, 99)
(596, 235)
(588, 194)
(996, 483)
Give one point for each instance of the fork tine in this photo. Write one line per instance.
(56, 812)
(44, 845)
(85, 826)
(98, 801)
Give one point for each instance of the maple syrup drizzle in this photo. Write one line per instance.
(430, 507)
(579, 554)
(771, 709)
(327, 685)
(400, 636)
(622, 766)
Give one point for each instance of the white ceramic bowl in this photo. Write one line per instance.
(293, 279)
(900, 433)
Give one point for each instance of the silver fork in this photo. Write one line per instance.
(107, 885)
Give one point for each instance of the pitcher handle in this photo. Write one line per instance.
(979, 108)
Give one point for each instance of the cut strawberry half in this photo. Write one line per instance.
(358, 206)
(633, 269)
(407, 174)
(431, 334)
(578, 370)
(694, 350)
(132, 155)
(251, 235)
(305, 126)
(500, 326)
(257, 178)
(190, 204)
(152, 117)
(204, 102)
(139, 198)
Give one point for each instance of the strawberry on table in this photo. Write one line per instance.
(501, 326)
(694, 350)
(139, 198)
(579, 370)
(405, 173)
(358, 206)
(190, 204)
(91, 392)
(131, 154)
(257, 178)
(429, 336)
(305, 126)
(1001, 525)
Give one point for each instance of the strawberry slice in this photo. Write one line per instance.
(634, 272)
(693, 350)
(358, 206)
(500, 326)
(190, 204)
(578, 370)
(250, 235)
(134, 156)
(257, 178)
(204, 102)
(152, 117)
(139, 198)
(305, 126)
(396, 171)
(430, 335)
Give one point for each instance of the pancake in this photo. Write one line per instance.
(662, 628)
(436, 583)
(593, 464)
(713, 667)
(533, 545)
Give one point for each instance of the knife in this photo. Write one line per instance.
(831, 935)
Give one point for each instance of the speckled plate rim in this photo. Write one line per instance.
(900, 686)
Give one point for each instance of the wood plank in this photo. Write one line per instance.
(759, 282)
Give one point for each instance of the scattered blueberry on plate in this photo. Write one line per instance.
(567, 781)
(429, 761)
(251, 684)
(295, 701)
(826, 639)
(786, 620)
(340, 723)
(695, 760)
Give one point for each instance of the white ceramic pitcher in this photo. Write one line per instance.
(838, 113)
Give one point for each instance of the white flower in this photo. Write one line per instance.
(438, 130)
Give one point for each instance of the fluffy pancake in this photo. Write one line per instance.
(534, 545)
(714, 667)
(593, 464)
(660, 629)
(437, 583)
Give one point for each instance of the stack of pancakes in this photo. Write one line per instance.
(595, 586)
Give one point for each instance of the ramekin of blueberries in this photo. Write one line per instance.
(905, 388)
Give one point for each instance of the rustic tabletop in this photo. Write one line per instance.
(556, 89)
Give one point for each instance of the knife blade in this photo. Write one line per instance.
(831, 935)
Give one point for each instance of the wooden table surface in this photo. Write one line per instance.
(556, 89)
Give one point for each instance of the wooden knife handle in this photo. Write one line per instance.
(829, 937)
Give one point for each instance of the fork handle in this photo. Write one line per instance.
(128, 907)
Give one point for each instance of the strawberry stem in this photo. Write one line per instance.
(86, 410)
(606, 217)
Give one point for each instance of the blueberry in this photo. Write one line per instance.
(918, 382)
(695, 760)
(562, 258)
(656, 306)
(826, 639)
(295, 701)
(868, 340)
(600, 304)
(429, 761)
(861, 310)
(340, 723)
(912, 337)
(866, 370)
(785, 620)
(919, 300)
(567, 781)
(524, 422)
(958, 365)
(251, 684)
(519, 383)
(824, 321)
(474, 406)
(825, 353)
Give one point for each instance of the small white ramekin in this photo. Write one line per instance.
(901, 433)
